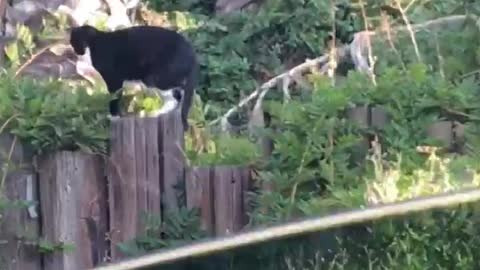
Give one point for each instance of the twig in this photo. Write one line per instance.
(369, 44)
(33, 57)
(459, 113)
(355, 51)
(410, 30)
(300, 168)
(470, 74)
(386, 27)
(439, 56)
(332, 64)
(409, 5)
(440, 23)
(285, 84)
(272, 82)
(10, 153)
(4, 125)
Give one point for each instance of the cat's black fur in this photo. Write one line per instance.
(158, 57)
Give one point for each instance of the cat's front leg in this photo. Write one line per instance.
(171, 100)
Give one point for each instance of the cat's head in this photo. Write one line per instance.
(80, 38)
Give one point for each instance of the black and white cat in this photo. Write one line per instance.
(157, 57)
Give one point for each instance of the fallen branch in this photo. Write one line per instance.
(263, 89)
(32, 58)
(355, 50)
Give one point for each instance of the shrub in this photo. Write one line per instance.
(314, 170)
(51, 115)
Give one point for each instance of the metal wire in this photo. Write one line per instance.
(296, 228)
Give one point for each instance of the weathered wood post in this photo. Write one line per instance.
(172, 158)
(379, 117)
(364, 117)
(230, 187)
(146, 162)
(360, 116)
(18, 226)
(73, 199)
(199, 193)
(441, 131)
(220, 193)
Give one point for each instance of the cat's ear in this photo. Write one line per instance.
(80, 38)
(78, 43)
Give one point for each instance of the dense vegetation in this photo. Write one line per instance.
(319, 163)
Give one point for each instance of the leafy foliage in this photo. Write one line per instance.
(317, 165)
(49, 115)
(225, 150)
(240, 50)
(315, 142)
(197, 6)
(48, 248)
(178, 228)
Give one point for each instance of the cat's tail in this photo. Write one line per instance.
(188, 92)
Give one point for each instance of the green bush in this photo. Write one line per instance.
(225, 150)
(179, 227)
(317, 167)
(239, 51)
(50, 115)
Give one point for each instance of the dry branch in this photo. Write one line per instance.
(357, 50)
(263, 89)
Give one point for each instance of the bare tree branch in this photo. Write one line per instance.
(263, 89)
(356, 50)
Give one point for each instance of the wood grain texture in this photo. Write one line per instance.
(199, 193)
(442, 131)
(172, 160)
(73, 202)
(359, 115)
(229, 198)
(134, 177)
(147, 169)
(379, 117)
(19, 226)
(122, 184)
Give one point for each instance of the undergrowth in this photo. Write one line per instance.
(53, 116)
(318, 165)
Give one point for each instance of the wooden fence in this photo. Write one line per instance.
(92, 203)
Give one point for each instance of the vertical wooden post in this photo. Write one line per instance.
(442, 131)
(122, 195)
(18, 226)
(359, 115)
(147, 160)
(73, 200)
(229, 193)
(459, 137)
(379, 117)
(134, 177)
(172, 158)
(199, 192)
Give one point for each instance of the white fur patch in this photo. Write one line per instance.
(113, 118)
(84, 67)
(86, 57)
(169, 103)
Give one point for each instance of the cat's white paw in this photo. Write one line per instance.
(157, 113)
(113, 117)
